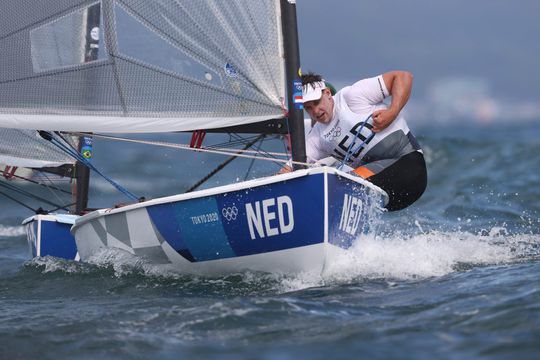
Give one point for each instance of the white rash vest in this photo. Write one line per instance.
(352, 123)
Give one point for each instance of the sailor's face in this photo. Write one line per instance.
(321, 110)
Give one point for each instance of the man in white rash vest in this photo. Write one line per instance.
(356, 125)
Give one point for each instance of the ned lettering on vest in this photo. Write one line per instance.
(384, 150)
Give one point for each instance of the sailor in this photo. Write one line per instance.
(356, 127)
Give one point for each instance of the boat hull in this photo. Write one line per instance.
(49, 235)
(285, 223)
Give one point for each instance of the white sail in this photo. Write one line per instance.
(163, 65)
(25, 148)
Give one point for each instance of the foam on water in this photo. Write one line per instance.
(434, 254)
(124, 263)
(391, 257)
(431, 254)
(11, 231)
(49, 264)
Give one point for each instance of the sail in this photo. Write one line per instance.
(25, 148)
(163, 65)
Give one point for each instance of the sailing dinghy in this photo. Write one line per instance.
(286, 223)
(228, 66)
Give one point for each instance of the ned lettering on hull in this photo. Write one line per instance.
(350, 214)
(261, 217)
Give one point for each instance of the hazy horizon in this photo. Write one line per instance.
(483, 54)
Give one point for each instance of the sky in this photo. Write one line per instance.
(483, 54)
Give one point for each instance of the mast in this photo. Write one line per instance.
(82, 172)
(294, 84)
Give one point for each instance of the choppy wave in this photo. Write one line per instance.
(420, 256)
(49, 264)
(10, 231)
(454, 272)
(392, 257)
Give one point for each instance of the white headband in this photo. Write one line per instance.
(313, 91)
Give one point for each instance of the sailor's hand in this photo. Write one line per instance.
(285, 169)
(382, 119)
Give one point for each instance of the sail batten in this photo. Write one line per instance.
(164, 65)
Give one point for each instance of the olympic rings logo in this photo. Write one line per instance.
(337, 132)
(229, 213)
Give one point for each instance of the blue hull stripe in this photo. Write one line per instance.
(267, 218)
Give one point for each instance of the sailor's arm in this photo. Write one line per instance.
(399, 86)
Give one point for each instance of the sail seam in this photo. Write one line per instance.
(188, 50)
(192, 81)
(75, 68)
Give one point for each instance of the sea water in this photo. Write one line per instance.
(456, 275)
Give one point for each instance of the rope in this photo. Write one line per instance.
(38, 183)
(60, 207)
(352, 150)
(221, 151)
(75, 154)
(221, 166)
(18, 201)
(253, 160)
(53, 193)
(29, 195)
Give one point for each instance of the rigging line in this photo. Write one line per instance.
(352, 150)
(120, 188)
(231, 143)
(38, 183)
(238, 140)
(245, 140)
(28, 194)
(47, 178)
(258, 151)
(221, 166)
(242, 140)
(17, 201)
(68, 143)
(25, 193)
(253, 160)
(65, 206)
(221, 151)
(75, 154)
(285, 145)
(238, 137)
(186, 147)
(52, 192)
(267, 154)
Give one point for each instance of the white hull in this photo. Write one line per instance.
(287, 223)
